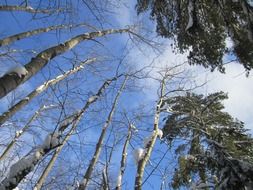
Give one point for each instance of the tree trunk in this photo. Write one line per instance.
(10, 39)
(23, 167)
(28, 9)
(10, 81)
(95, 157)
(19, 133)
(53, 159)
(123, 159)
(6, 115)
(150, 145)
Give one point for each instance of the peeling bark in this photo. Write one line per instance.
(9, 82)
(14, 109)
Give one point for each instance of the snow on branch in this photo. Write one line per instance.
(190, 14)
(149, 138)
(160, 133)
(138, 155)
(67, 121)
(119, 180)
(18, 70)
(24, 166)
(200, 186)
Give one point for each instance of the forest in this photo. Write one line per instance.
(126, 94)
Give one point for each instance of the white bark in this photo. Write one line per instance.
(14, 109)
(10, 82)
(28, 9)
(96, 154)
(149, 147)
(10, 39)
(75, 120)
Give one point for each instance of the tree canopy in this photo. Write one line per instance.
(215, 150)
(202, 28)
(84, 86)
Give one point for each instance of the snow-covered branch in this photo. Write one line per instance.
(23, 167)
(23, 102)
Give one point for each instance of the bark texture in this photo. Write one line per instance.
(123, 159)
(27, 9)
(23, 167)
(10, 39)
(95, 157)
(14, 109)
(10, 81)
(150, 145)
(19, 134)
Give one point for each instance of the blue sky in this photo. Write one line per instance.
(234, 82)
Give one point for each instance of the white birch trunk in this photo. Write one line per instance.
(28, 9)
(150, 145)
(6, 115)
(96, 154)
(9, 81)
(123, 160)
(19, 134)
(10, 39)
(23, 167)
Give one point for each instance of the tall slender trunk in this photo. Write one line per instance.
(24, 166)
(50, 164)
(10, 39)
(28, 9)
(75, 122)
(150, 145)
(96, 154)
(123, 159)
(6, 115)
(19, 134)
(10, 81)
(104, 180)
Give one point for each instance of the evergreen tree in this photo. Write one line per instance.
(216, 150)
(202, 28)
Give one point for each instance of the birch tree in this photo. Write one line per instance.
(144, 155)
(11, 39)
(15, 108)
(28, 9)
(19, 133)
(124, 157)
(99, 144)
(53, 140)
(12, 80)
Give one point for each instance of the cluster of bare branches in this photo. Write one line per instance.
(70, 130)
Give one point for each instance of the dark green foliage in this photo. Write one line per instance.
(201, 27)
(215, 148)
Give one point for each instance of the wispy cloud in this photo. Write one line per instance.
(234, 82)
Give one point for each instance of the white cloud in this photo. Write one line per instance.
(234, 82)
(239, 89)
